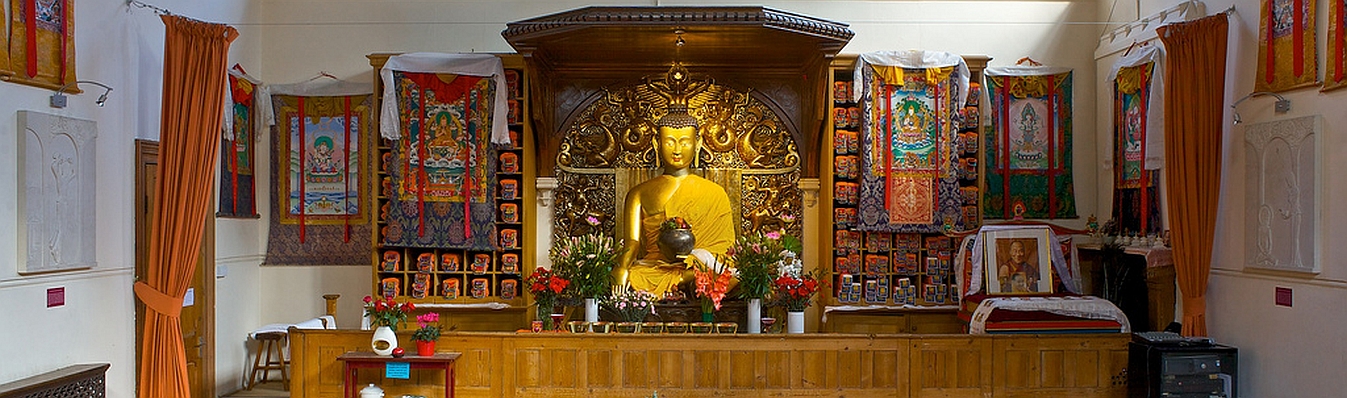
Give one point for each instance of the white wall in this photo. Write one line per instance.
(1284, 352)
(287, 41)
(303, 38)
(124, 49)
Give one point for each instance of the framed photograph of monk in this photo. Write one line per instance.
(1018, 262)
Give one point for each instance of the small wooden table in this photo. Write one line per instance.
(354, 360)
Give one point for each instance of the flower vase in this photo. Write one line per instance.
(544, 313)
(708, 308)
(591, 310)
(384, 340)
(795, 322)
(425, 348)
(754, 316)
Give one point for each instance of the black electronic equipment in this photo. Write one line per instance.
(1170, 338)
(1161, 366)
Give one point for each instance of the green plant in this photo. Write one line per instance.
(757, 257)
(674, 223)
(587, 262)
(387, 312)
(430, 328)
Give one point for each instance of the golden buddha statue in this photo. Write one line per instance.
(702, 203)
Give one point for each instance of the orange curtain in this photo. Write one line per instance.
(1194, 107)
(194, 86)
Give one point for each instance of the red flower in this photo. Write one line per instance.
(558, 284)
(545, 286)
(387, 312)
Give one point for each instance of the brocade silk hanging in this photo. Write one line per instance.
(440, 172)
(237, 148)
(1286, 46)
(1336, 75)
(42, 41)
(321, 177)
(1028, 154)
(1135, 193)
(908, 177)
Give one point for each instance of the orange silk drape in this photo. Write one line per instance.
(1194, 108)
(194, 88)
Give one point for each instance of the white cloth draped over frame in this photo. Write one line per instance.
(1069, 272)
(915, 59)
(1155, 108)
(311, 88)
(1025, 70)
(260, 96)
(484, 65)
(1088, 307)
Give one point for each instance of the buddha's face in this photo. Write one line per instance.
(677, 147)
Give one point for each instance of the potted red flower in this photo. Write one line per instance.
(385, 315)
(796, 294)
(546, 288)
(426, 336)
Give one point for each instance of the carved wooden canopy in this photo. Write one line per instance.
(601, 37)
(575, 56)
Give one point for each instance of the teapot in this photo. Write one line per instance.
(372, 391)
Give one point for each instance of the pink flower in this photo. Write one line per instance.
(774, 235)
(591, 220)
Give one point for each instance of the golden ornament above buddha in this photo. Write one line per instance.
(677, 193)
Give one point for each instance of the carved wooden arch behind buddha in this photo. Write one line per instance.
(607, 146)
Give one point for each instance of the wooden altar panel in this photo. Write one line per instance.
(810, 365)
(1058, 366)
(951, 366)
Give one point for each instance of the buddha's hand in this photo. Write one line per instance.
(620, 277)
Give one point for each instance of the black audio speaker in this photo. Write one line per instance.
(1174, 370)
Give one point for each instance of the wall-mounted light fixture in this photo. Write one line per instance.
(1283, 105)
(58, 99)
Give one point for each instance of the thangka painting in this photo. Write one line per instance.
(907, 179)
(1286, 46)
(237, 149)
(1336, 75)
(1136, 197)
(441, 172)
(320, 206)
(42, 41)
(1028, 154)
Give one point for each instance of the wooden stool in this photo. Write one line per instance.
(267, 343)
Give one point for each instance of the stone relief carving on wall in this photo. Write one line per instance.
(1281, 204)
(57, 172)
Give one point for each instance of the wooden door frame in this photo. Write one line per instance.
(148, 151)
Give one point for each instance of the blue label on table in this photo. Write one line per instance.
(398, 370)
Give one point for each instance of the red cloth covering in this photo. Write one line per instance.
(1027, 321)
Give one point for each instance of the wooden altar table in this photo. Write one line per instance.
(738, 365)
(353, 361)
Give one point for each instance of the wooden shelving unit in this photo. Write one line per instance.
(886, 282)
(473, 290)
